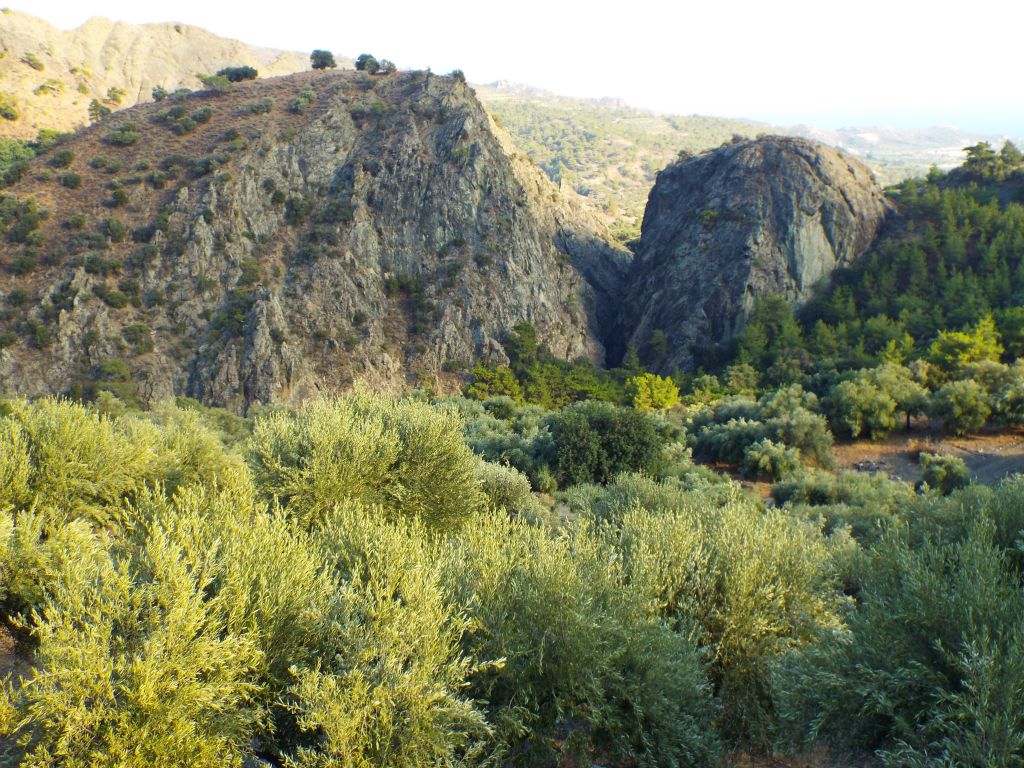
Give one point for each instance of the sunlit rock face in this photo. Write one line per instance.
(768, 217)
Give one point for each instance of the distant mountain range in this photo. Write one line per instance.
(49, 77)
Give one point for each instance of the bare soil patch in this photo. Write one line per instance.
(991, 454)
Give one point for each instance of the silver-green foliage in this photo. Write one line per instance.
(944, 473)
(587, 662)
(402, 455)
(136, 667)
(755, 583)
(769, 460)
(391, 691)
(930, 668)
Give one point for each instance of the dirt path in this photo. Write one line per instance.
(991, 454)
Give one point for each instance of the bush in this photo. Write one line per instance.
(320, 59)
(124, 135)
(260, 106)
(727, 442)
(296, 209)
(33, 61)
(944, 473)
(178, 691)
(9, 107)
(114, 229)
(70, 179)
(593, 441)
(70, 462)
(367, 63)
(301, 102)
(62, 158)
(238, 74)
(390, 688)
(140, 336)
(216, 83)
(649, 392)
(962, 405)
(401, 455)
(767, 460)
(756, 582)
(509, 489)
(929, 671)
(584, 653)
(859, 406)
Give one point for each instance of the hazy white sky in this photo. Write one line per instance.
(897, 62)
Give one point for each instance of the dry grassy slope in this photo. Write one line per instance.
(404, 176)
(83, 64)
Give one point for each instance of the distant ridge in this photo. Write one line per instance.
(51, 75)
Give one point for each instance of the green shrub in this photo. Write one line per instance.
(296, 209)
(727, 442)
(216, 83)
(260, 106)
(402, 455)
(320, 59)
(301, 102)
(114, 229)
(124, 135)
(859, 407)
(62, 158)
(177, 691)
(9, 107)
(962, 405)
(70, 462)
(33, 61)
(930, 668)
(140, 336)
(944, 473)
(509, 489)
(587, 665)
(769, 460)
(70, 179)
(593, 441)
(758, 584)
(391, 688)
(238, 74)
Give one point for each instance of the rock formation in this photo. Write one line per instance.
(315, 230)
(771, 216)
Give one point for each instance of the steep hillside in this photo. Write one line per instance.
(770, 217)
(50, 76)
(290, 236)
(604, 149)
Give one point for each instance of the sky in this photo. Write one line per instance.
(899, 63)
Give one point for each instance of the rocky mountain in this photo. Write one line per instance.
(771, 216)
(48, 76)
(292, 236)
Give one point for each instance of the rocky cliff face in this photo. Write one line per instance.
(52, 75)
(314, 231)
(772, 216)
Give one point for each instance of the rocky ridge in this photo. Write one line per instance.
(315, 230)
